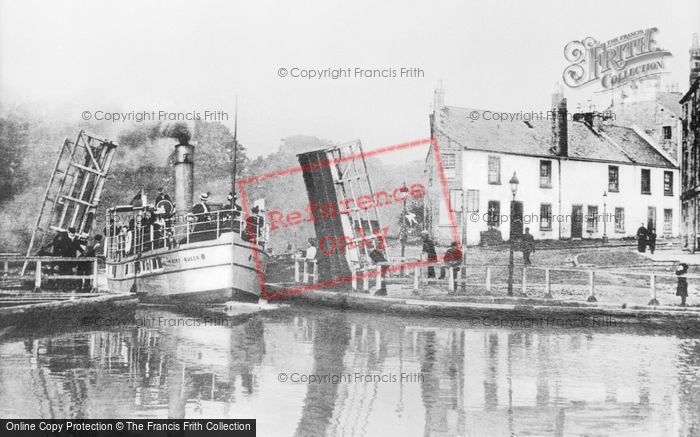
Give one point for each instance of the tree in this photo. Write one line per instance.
(13, 143)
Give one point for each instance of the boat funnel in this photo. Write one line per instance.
(184, 177)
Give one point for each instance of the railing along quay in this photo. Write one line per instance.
(408, 272)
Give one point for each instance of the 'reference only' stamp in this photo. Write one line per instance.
(352, 210)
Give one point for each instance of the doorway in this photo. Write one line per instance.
(651, 217)
(576, 221)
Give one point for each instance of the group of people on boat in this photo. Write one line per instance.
(157, 226)
(210, 221)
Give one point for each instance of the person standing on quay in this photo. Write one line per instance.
(429, 250)
(682, 287)
(528, 245)
(642, 239)
(377, 257)
(651, 240)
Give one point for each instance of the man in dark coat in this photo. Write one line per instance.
(377, 256)
(429, 250)
(453, 258)
(161, 196)
(528, 246)
(642, 239)
(235, 214)
(682, 286)
(66, 244)
(201, 212)
(651, 240)
(201, 209)
(92, 249)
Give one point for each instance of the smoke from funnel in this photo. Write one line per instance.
(179, 131)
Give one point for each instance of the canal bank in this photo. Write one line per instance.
(514, 310)
(44, 310)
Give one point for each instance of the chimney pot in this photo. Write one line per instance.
(560, 131)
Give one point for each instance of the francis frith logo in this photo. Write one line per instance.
(613, 63)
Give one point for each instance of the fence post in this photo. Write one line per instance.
(353, 277)
(524, 280)
(306, 272)
(652, 285)
(591, 285)
(416, 279)
(379, 278)
(365, 279)
(315, 264)
(37, 277)
(450, 279)
(488, 278)
(547, 285)
(95, 276)
(296, 270)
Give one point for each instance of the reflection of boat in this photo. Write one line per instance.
(213, 256)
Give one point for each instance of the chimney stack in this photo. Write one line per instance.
(184, 176)
(560, 131)
(439, 98)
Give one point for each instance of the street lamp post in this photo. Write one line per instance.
(403, 233)
(605, 217)
(513, 188)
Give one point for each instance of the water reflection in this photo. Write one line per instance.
(472, 381)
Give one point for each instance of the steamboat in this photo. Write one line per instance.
(176, 253)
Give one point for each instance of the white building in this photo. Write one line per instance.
(579, 176)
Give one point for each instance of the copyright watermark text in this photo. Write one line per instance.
(350, 378)
(156, 116)
(336, 73)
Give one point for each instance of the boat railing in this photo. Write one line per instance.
(150, 231)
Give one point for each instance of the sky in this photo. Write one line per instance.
(66, 57)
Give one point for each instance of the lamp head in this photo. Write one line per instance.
(514, 184)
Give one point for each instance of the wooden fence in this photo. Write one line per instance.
(42, 274)
(406, 271)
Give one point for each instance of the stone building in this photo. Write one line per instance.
(580, 176)
(653, 113)
(690, 168)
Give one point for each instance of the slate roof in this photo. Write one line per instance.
(534, 138)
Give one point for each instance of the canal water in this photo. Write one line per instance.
(324, 372)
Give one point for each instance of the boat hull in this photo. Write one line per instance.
(204, 272)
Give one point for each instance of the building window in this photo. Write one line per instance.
(592, 219)
(646, 181)
(546, 217)
(455, 200)
(494, 213)
(494, 170)
(472, 201)
(619, 219)
(668, 133)
(449, 165)
(684, 172)
(668, 183)
(613, 178)
(694, 169)
(668, 221)
(545, 174)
